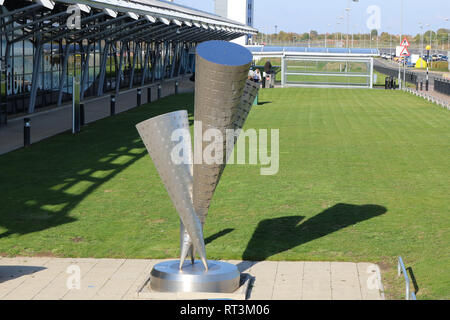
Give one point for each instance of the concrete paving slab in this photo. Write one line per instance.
(288, 281)
(114, 279)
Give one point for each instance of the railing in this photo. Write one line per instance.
(409, 76)
(410, 295)
(442, 86)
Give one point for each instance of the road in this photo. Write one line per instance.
(420, 73)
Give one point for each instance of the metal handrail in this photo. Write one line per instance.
(401, 269)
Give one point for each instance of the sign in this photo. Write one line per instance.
(398, 49)
(405, 43)
(404, 52)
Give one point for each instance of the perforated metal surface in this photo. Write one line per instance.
(220, 103)
(156, 133)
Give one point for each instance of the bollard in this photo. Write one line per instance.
(26, 131)
(113, 105)
(139, 95)
(426, 85)
(82, 117)
(417, 85)
(3, 115)
(159, 91)
(421, 85)
(176, 87)
(76, 114)
(149, 94)
(386, 83)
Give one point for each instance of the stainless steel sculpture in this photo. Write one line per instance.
(223, 99)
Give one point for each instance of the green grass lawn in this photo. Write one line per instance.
(364, 176)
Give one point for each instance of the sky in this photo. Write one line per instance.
(304, 15)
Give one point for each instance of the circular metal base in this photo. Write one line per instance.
(221, 277)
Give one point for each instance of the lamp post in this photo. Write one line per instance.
(326, 34)
(364, 38)
(431, 36)
(401, 20)
(390, 40)
(421, 39)
(348, 19)
(276, 32)
(428, 54)
(348, 22)
(355, 27)
(448, 37)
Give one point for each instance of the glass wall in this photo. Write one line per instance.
(16, 77)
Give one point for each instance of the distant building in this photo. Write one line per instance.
(237, 10)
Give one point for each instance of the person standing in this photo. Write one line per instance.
(257, 76)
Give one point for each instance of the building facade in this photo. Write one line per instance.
(237, 10)
(121, 44)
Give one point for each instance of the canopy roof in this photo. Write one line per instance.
(137, 20)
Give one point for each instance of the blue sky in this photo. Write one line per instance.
(304, 15)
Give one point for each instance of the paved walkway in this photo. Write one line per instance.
(420, 73)
(46, 278)
(56, 120)
(433, 96)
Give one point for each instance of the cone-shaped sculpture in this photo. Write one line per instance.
(221, 75)
(168, 141)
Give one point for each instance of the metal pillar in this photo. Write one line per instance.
(136, 48)
(144, 74)
(85, 75)
(62, 80)
(174, 59)
(166, 60)
(101, 81)
(119, 72)
(182, 58)
(37, 65)
(155, 61)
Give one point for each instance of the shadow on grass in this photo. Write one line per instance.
(260, 103)
(43, 183)
(14, 272)
(218, 235)
(413, 279)
(273, 236)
